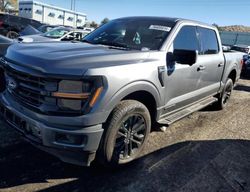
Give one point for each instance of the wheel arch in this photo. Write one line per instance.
(232, 75)
(141, 91)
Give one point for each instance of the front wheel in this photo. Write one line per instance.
(125, 133)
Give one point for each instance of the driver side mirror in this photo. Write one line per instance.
(185, 57)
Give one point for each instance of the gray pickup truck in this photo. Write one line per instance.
(97, 99)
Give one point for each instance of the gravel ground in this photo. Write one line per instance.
(206, 151)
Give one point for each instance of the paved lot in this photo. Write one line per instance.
(207, 151)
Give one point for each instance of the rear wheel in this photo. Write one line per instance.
(125, 133)
(226, 94)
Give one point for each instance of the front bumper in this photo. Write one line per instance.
(72, 144)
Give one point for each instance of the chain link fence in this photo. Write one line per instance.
(235, 38)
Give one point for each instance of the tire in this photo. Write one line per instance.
(225, 96)
(12, 34)
(126, 132)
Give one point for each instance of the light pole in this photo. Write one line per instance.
(73, 8)
(73, 5)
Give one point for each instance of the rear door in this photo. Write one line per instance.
(212, 61)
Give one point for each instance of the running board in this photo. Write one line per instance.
(187, 111)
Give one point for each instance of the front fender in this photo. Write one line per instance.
(134, 87)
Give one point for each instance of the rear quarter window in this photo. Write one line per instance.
(209, 41)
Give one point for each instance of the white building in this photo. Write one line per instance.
(50, 14)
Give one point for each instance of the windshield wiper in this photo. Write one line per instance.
(115, 45)
(109, 44)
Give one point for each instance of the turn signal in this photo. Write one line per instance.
(95, 96)
(71, 95)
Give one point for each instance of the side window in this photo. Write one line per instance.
(209, 41)
(186, 39)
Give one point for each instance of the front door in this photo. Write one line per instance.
(182, 80)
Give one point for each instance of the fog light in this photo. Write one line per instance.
(69, 139)
(33, 130)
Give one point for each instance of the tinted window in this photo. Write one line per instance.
(209, 42)
(186, 39)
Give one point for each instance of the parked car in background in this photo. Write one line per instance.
(4, 44)
(56, 34)
(241, 48)
(98, 99)
(30, 30)
(226, 48)
(89, 29)
(246, 65)
(11, 25)
(46, 28)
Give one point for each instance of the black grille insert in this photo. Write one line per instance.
(29, 89)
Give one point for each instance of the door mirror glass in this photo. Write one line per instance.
(186, 57)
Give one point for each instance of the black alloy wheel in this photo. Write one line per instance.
(225, 95)
(125, 134)
(130, 136)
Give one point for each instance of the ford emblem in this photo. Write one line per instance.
(11, 84)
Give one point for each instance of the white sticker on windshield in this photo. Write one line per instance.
(160, 28)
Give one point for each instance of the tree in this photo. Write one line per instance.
(93, 24)
(5, 3)
(104, 21)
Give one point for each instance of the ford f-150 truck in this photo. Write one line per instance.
(97, 99)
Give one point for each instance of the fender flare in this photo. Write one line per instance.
(132, 88)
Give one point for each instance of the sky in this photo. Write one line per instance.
(221, 12)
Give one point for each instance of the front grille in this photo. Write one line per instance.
(29, 89)
(35, 92)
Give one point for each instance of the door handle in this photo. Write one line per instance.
(201, 68)
(220, 64)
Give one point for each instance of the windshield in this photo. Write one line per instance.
(56, 33)
(131, 33)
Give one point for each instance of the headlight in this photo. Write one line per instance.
(77, 95)
(73, 89)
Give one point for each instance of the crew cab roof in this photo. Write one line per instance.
(170, 20)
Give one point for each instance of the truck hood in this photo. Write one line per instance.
(69, 58)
